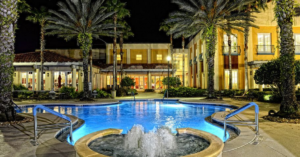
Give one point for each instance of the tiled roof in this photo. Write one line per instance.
(48, 57)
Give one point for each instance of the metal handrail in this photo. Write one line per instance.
(16, 106)
(255, 123)
(165, 94)
(54, 113)
(132, 94)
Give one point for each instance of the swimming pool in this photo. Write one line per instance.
(149, 114)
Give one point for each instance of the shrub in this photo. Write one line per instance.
(174, 81)
(102, 94)
(19, 87)
(69, 92)
(25, 95)
(121, 92)
(185, 92)
(43, 95)
(127, 82)
(149, 90)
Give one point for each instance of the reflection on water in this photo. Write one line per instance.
(149, 114)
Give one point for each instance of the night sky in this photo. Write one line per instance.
(146, 16)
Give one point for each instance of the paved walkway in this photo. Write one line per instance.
(15, 141)
(276, 139)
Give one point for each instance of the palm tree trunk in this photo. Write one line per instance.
(121, 53)
(8, 18)
(42, 54)
(115, 55)
(284, 13)
(229, 59)
(85, 40)
(246, 35)
(85, 74)
(210, 49)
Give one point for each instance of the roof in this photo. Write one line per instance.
(48, 57)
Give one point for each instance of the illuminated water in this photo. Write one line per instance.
(149, 114)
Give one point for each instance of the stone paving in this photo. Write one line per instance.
(276, 139)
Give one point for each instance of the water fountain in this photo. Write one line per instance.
(157, 143)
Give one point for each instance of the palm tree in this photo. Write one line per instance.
(167, 28)
(206, 16)
(248, 9)
(83, 20)
(39, 16)
(284, 13)
(125, 33)
(120, 12)
(8, 18)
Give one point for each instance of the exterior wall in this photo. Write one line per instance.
(155, 52)
(111, 57)
(134, 52)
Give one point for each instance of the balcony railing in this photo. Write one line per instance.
(235, 50)
(265, 49)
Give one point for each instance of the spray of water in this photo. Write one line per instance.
(151, 144)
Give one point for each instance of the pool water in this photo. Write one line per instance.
(149, 114)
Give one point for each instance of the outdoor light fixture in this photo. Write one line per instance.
(168, 58)
(80, 74)
(47, 74)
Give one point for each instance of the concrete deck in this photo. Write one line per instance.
(276, 139)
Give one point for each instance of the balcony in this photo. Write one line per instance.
(235, 50)
(265, 49)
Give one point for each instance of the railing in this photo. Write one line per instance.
(16, 106)
(255, 123)
(50, 126)
(235, 50)
(132, 94)
(265, 49)
(165, 94)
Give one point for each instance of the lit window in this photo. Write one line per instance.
(234, 79)
(233, 44)
(264, 43)
(138, 57)
(159, 57)
(118, 57)
(297, 42)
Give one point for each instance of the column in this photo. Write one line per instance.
(189, 69)
(80, 79)
(251, 78)
(198, 65)
(16, 77)
(149, 81)
(38, 84)
(48, 80)
(52, 80)
(260, 88)
(128, 56)
(149, 56)
(183, 70)
(74, 69)
(107, 54)
(193, 68)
